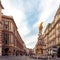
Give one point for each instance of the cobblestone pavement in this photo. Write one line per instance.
(21, 58)
(18, 58)
(15, 58)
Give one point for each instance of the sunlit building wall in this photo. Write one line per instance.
(11, 42)
(52, 33)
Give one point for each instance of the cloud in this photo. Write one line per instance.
(31, 8)
(48, 8)
(28, 14)
(13, 11)
(23, 29)
(30, 4)
(18, 15)
(31, 41)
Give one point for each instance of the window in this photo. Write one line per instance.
(5, 38)
(0, 34)
(59, 32)
(59, 15)
(5, 25)
(0, 26)
(6, 42)
(59, 39)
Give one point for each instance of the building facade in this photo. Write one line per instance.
(52, 33)
(11, 42)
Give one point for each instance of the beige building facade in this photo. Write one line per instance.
(11, 42)
(52, 33)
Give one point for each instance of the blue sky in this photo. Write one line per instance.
(28, 14)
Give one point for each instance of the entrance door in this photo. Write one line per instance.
(5, 51)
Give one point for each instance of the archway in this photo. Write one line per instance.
(58, 52)
(5, 51)
(17, 52)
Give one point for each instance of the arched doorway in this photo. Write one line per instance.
(58, 52)
(17, 52)
(14, 53)
(5, 51)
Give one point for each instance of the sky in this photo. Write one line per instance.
(28, 14)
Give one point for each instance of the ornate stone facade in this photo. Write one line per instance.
(52, 33)
(11, 42)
